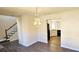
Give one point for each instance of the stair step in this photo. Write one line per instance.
(4, 41)
(12, 33)
(5, 37)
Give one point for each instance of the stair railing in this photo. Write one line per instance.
(6, 31)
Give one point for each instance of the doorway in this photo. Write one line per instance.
(54, 33)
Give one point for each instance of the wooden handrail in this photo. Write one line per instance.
(6, 30)
(11, 26)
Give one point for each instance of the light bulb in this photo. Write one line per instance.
(35, 23)
(39, 23)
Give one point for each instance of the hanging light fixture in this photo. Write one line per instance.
(37, 19)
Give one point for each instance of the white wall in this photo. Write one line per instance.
(27, 31)
(19, 28)
(70, 30)
(6, 22)
(42, 31)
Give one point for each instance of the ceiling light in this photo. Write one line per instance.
(37, 20)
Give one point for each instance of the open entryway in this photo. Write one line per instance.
(54, 33)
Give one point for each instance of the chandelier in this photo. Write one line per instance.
(37, 20)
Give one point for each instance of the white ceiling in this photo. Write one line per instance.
(18, 11)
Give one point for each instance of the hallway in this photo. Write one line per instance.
(55, 41)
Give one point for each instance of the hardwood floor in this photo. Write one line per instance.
(37, 47)
(55, 45)
(55, 41)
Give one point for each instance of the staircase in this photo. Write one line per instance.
(9, 33)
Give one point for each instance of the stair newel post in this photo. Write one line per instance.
(6, 34)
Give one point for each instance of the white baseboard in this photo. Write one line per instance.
(64, 46)
(42, 41)
(27, 45)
